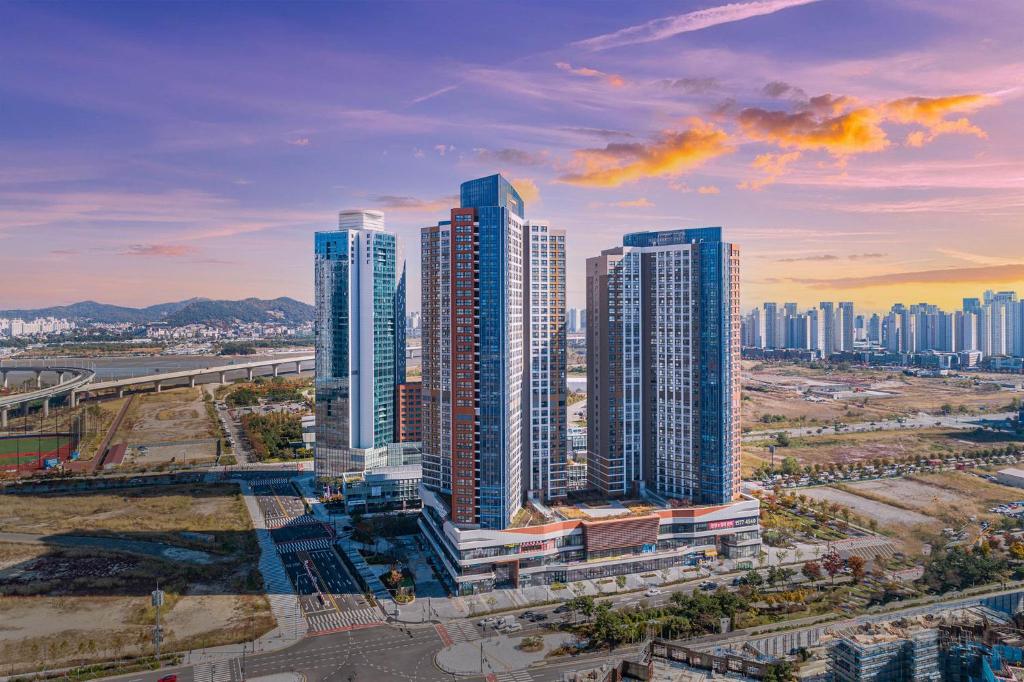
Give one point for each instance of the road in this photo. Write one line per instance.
(921, 420)
(376, 654)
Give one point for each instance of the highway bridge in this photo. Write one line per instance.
(69, 380)
(78, 383)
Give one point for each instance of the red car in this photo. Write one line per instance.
(169, 678)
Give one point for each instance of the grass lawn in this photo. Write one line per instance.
(10, 447)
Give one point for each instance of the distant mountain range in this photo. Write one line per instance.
(192, 311)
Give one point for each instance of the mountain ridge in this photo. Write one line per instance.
(176, 313)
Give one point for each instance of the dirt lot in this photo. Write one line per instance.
(779, 389)
(156, 419)
(913, 508)
(64, 605)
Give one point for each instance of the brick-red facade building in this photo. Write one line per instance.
(409, 412)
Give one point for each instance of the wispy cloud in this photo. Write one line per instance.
(515, 157)
(160, 250)
(830, 257)
(990, 274)
(812, 258)
(708, 189)
(666, 27)
(405, 203)
(642, 202)
(435, 93)
(611, 79)
(672, 154)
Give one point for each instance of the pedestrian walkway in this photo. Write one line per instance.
(283, 602)
(304, 545)
(515, 676)
(338, 620)
(226, 670)
(462, 631)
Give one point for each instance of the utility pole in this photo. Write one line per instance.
(158, 634)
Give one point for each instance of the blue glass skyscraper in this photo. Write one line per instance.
(662, 369)
(360, 349)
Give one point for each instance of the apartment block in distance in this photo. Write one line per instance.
(360, 353)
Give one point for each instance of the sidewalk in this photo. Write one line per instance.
(496, 655)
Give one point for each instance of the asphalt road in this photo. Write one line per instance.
(385, 652)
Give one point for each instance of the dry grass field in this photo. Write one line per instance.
(844, 448)
(918, 507)
(779, 389)
(158, 512)
(67, 605)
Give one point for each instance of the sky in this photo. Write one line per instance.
(854, 149)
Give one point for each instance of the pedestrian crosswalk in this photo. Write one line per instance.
(514, 676)
(304, 545)
(280, 521)
(257, 483)
(318, 622)
(227, 670)
(462, 631)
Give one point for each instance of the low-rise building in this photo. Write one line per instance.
(1014, 477)
(565, 543)
(383, 489)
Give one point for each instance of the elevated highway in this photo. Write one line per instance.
(69, 381)
(76, 382)
(293, 363)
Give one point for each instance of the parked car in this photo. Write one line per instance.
(709, 585)
(514, 627)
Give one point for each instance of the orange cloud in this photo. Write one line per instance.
(707, 189)
(772, 165)
(826, 125)
(527, 189)
(842, 126)
(670, 155)
(612, 79)
(931, 113)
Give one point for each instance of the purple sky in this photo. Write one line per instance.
(860, 150)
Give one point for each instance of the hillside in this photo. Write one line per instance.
(191, 311)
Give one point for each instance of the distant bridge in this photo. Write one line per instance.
(81, 382)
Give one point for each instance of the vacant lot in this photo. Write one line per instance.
(913, 508)
(160, 513)
(774, 391)
(156, 420)
(843, 448)
(68, 605)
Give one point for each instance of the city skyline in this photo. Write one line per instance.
(849, 148)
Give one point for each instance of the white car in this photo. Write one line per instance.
(652, 592)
